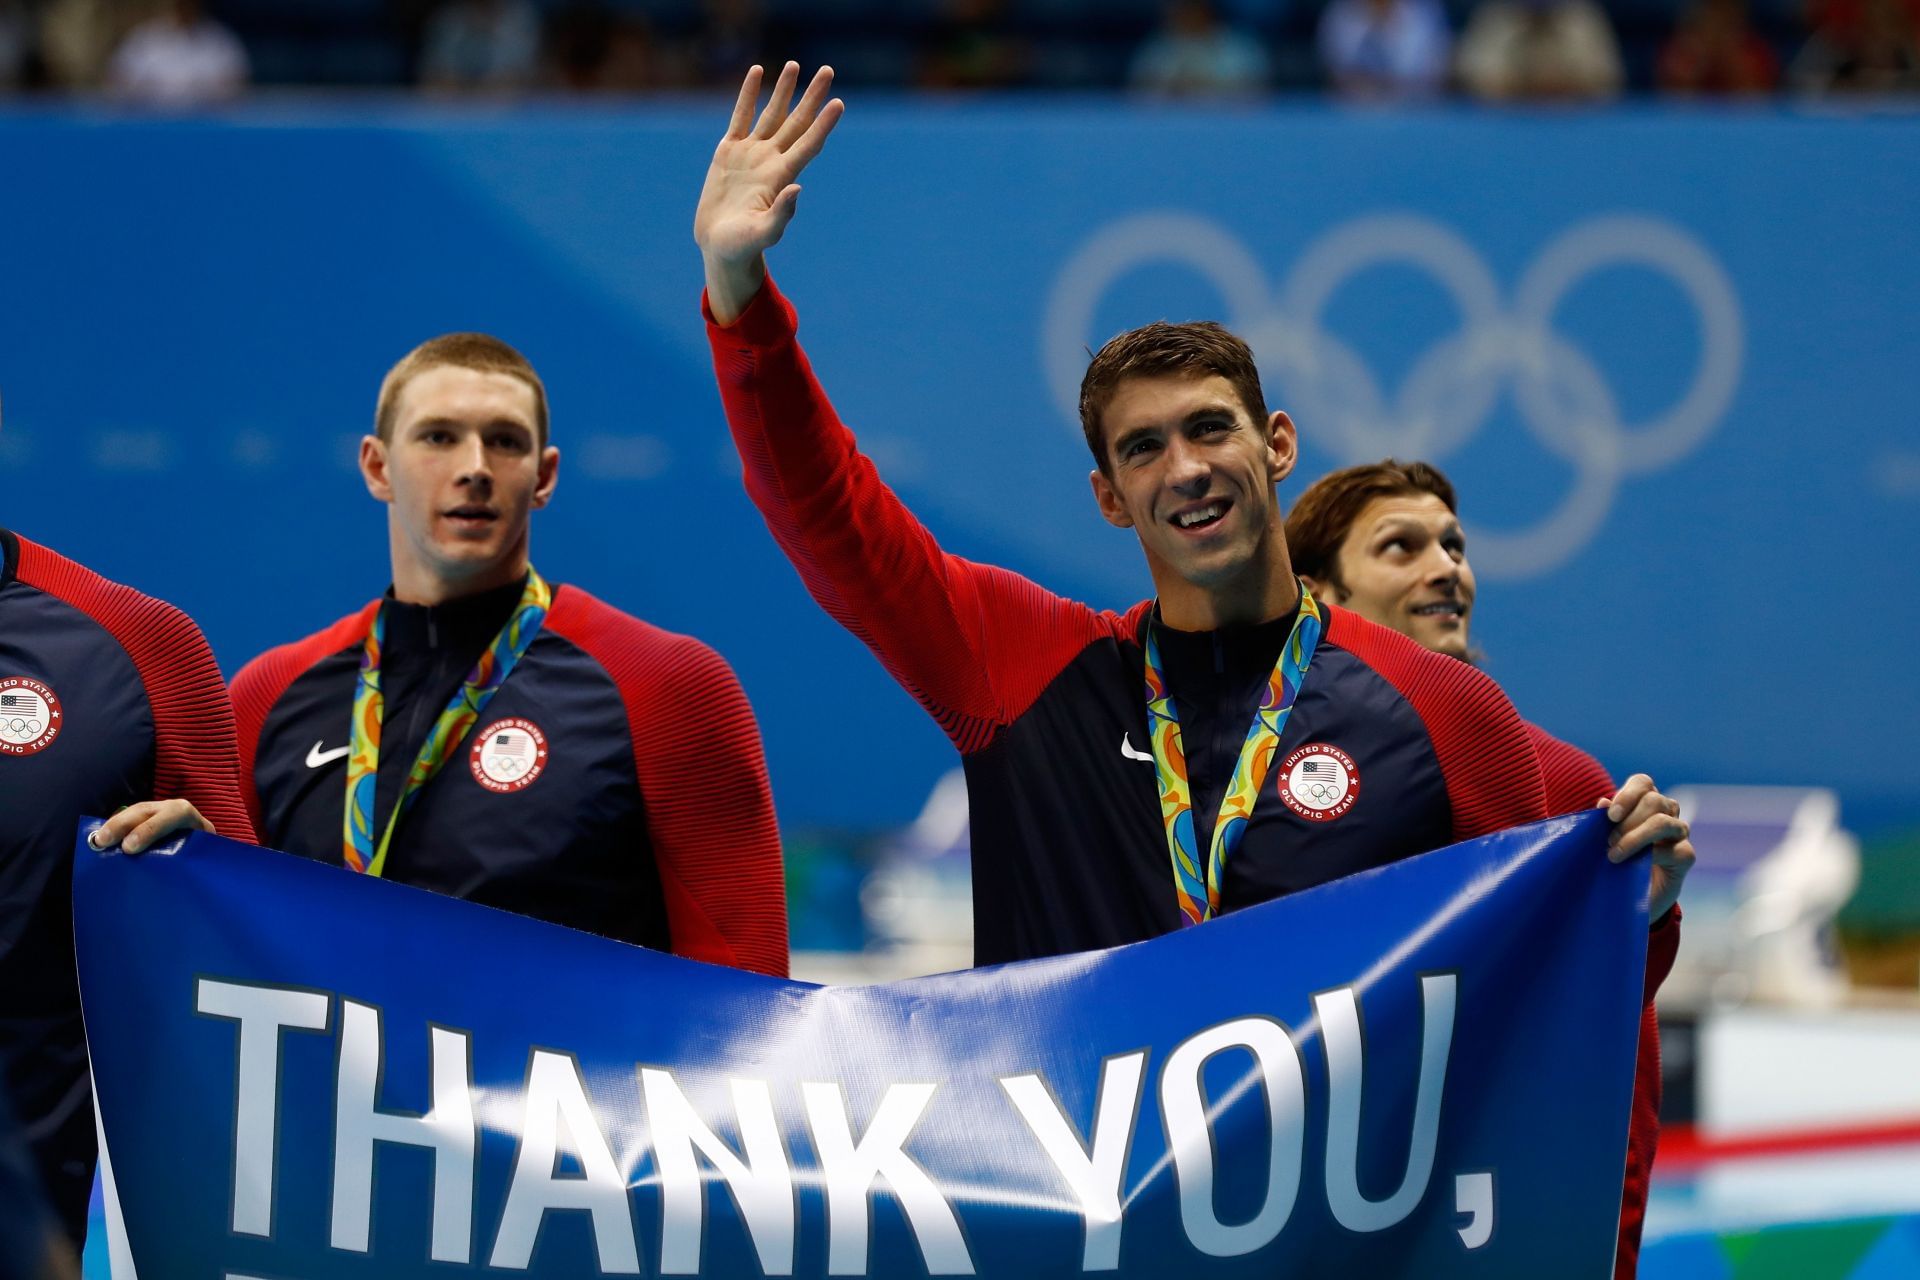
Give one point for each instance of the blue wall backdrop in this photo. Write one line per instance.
(1670, 358)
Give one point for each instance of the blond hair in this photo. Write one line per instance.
(477, 351)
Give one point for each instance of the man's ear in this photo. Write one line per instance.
(1109, 500)
(1324, 590)
(1283, 445)
(373, 468)
(549, 477)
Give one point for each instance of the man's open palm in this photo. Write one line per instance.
(750, 191)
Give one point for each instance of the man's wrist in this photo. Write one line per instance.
(731, 286)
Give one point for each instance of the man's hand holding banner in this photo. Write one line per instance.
(1419, 1071)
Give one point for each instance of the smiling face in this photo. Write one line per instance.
(1192, 473)
(462, 472)
(1403, 564)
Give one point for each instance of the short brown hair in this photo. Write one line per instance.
(1321, 517)
(1158, 349)
(478, 351)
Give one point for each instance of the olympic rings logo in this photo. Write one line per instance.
(1562, 398)
(1321, 793)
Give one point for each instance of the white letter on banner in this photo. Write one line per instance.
(261, 1013)
(850, 1170)
(1189, 1137)
(447, 1130)
(1095, 1179)
(763, 1186)
(555, 1094)
(1339, 1015)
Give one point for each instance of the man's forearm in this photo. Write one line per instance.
(732, 285)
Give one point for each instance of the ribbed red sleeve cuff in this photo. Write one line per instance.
(768, 320)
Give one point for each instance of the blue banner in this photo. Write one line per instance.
(1422, 1070)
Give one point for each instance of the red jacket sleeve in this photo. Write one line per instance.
(703, 779)
(255, 689)
(974, 644)
(259, 685)
(1492, 772)
(1574, 779)
(710, 812)
(1643, 1133)
(194, 754)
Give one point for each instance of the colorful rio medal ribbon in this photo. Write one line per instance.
(1200, 895)
(363, 761)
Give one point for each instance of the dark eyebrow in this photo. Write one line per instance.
(1120, 445)
(1205, 413)
(1398, 525)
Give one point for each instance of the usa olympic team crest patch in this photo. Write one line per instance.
(30, 716)
(1319, 782)
(508, 755)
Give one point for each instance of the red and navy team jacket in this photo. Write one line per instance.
(1390, 750)
(615, 783)
(107, 698)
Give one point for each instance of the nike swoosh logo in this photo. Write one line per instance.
(1126, 749)
(316, 757)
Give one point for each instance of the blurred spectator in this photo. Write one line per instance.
(77, 37)
(973, 46)
(16, 44)
(1381, 50)
(1716, 51)
(481, 45)
(1861, 46)
(1196, 53)
(180, 59)
(1539, 49)
(732, 38)
(595, 50)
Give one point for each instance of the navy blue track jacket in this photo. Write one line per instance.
(615, 783)
(107, 697)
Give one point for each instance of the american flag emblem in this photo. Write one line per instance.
(1319, 782)
(30, 716)
(508, 755)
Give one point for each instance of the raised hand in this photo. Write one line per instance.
(750, 192)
